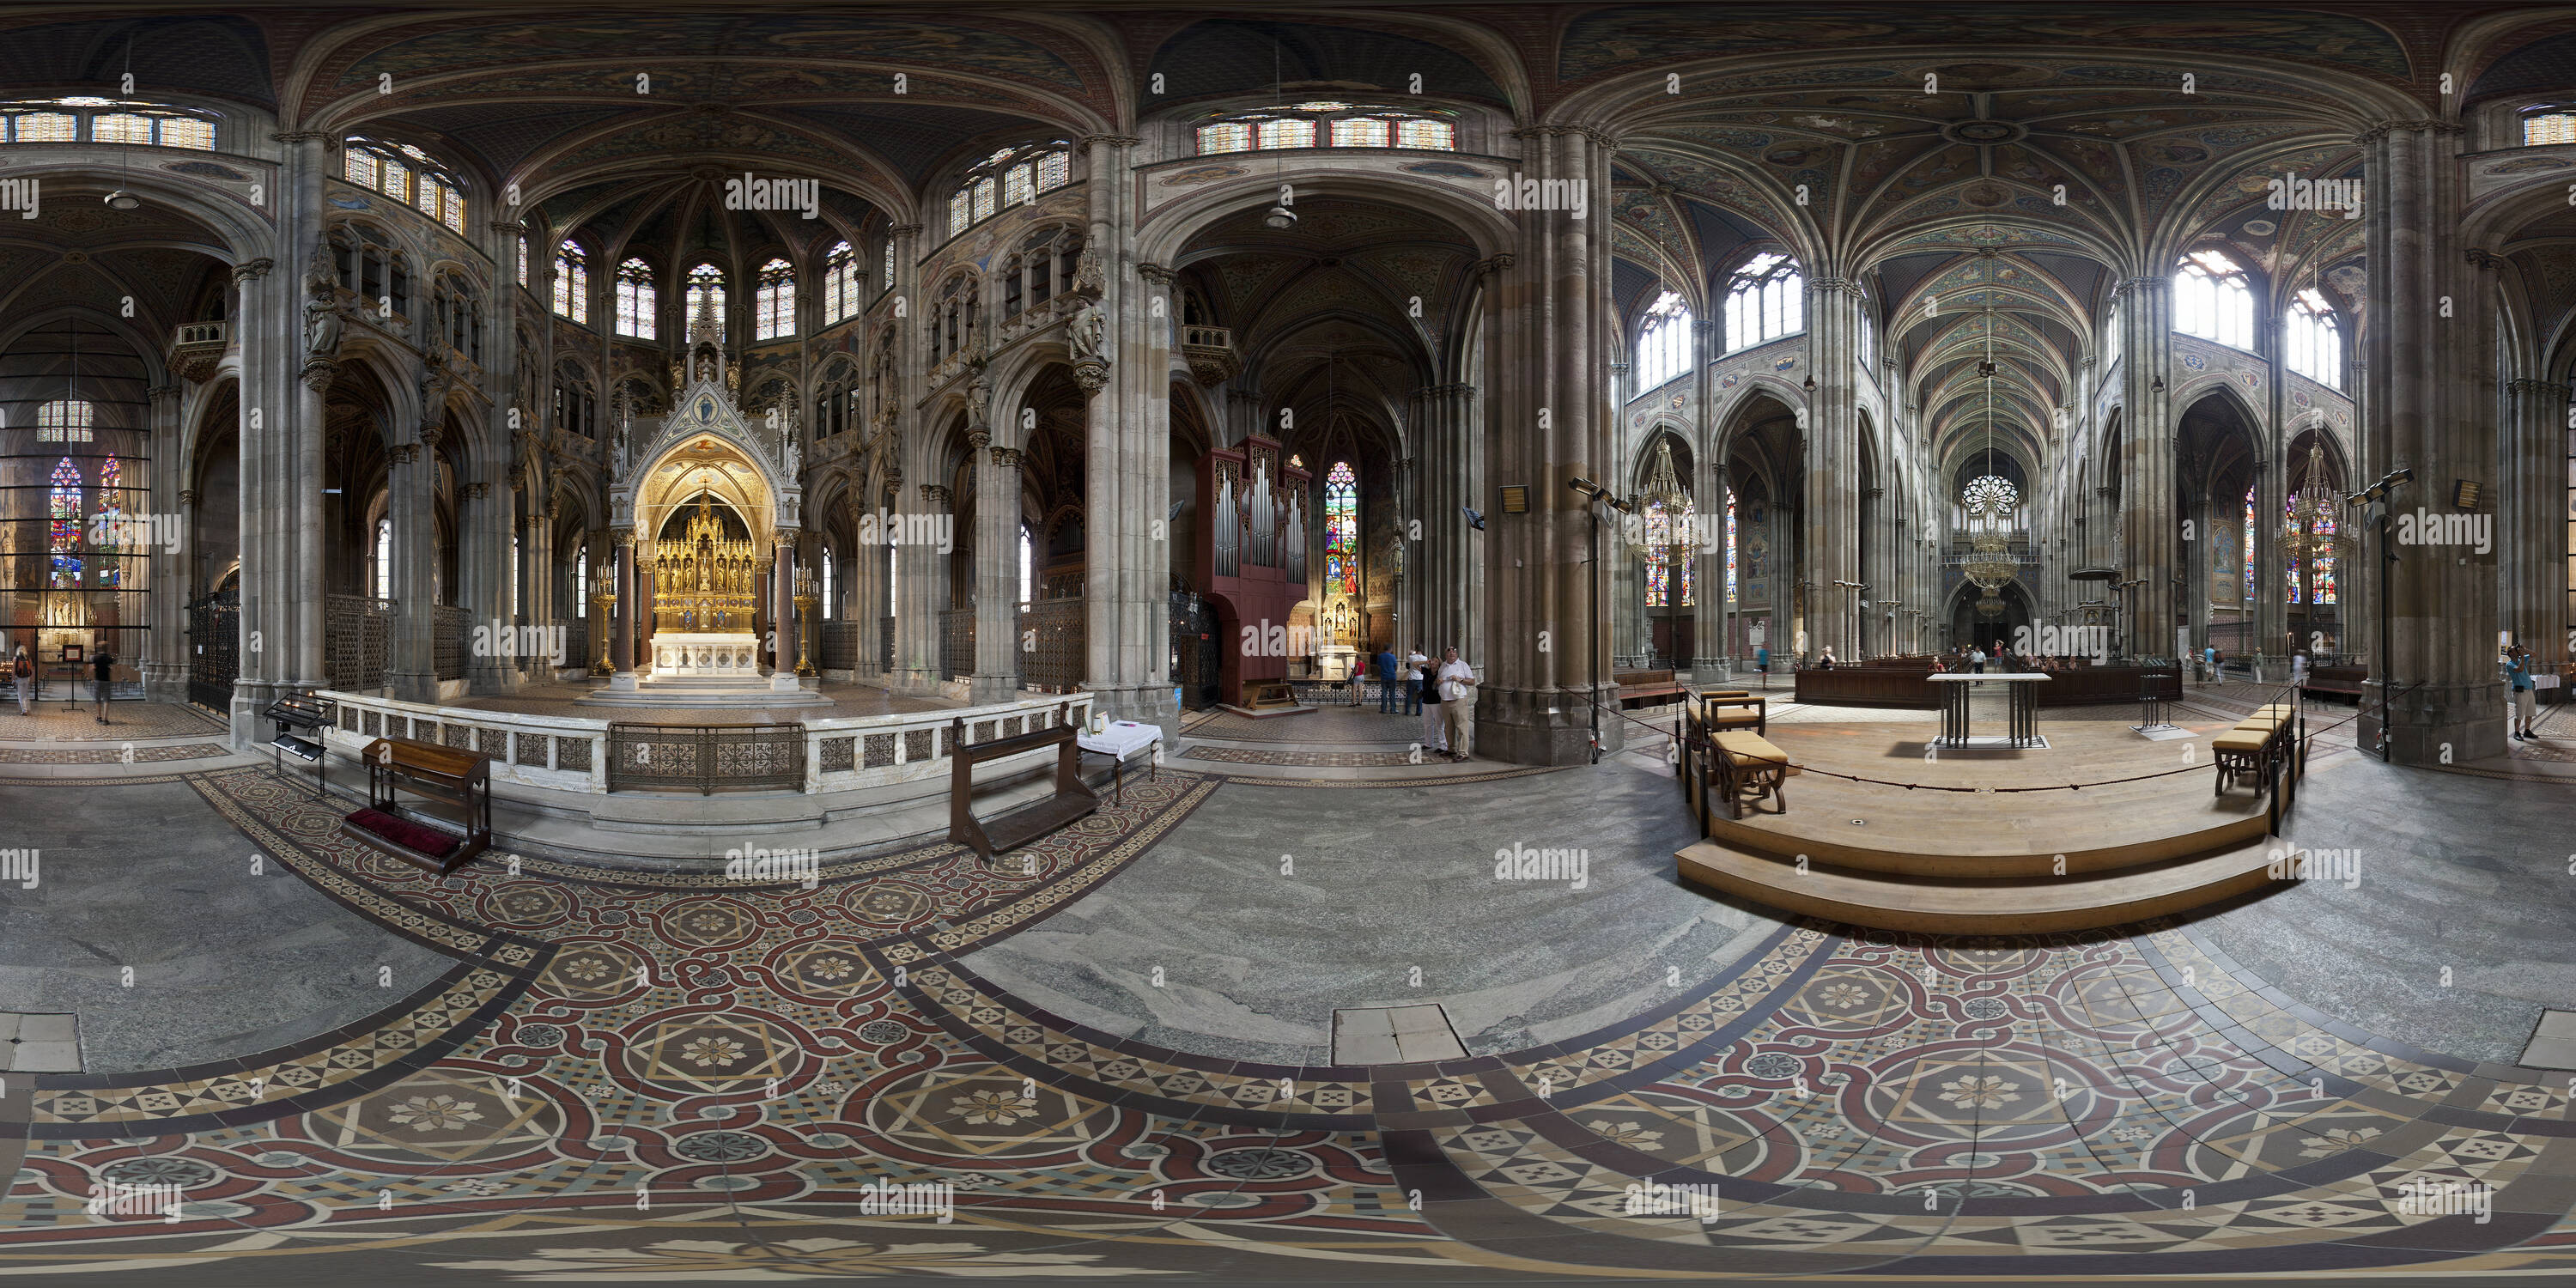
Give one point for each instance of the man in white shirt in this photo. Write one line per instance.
(1413, 695)
(1457, 702)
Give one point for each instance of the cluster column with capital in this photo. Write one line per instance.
(997, 569)
(1832, 443)
(1546, 675)
(1126, 462)
(2149, 528)
(2427, 409)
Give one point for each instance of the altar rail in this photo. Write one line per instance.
(568, 754)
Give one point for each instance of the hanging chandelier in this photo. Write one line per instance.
(1664, 499)
(1991, 502)
(2313, 507)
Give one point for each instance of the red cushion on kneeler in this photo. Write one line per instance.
(409, 835)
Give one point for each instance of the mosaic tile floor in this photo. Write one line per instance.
(50, 720)
(647, 1078)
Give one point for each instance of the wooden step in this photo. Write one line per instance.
(1984, 906)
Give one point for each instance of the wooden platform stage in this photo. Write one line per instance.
(1954, 862)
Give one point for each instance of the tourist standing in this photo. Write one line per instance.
(1457, 703)
(1386, 680)
(2209, 664)
(2517, 671)
(1413, 664)
(22, 676)
(102, 668)
(1435, 733)
(1826, 663)
(1762, 663)
(1977, 660)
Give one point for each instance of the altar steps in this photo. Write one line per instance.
(1950, 905)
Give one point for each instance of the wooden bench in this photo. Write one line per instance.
(454, 777)
(1012, 829)
(1642, 688)
(2346, 680)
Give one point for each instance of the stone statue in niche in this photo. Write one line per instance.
(979, 397)
(321, 328)
(1087, 333)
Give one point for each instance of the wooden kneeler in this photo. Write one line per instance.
(1014, 828)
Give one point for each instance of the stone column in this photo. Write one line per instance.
(1833, 513)
(782, 605)
(1127, 468)
(2531, 505)
(921, 593)
(1448, 552)
(411, 664)
(164, 576)
(1547, 669)
(1709, 492)
(2430, 410)
(269, 400)
(2149, 528)
(997, 568)
(622, 658)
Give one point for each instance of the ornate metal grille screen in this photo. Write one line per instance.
(956, 643)
(1055, 664)
(840, 646)
(214, 651)
(706, 758)
(357, 633)
(451, 626)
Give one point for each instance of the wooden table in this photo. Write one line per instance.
(2024, 719)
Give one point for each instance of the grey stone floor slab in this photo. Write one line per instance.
(225, 964)
(1384, 884)
(2462, 927)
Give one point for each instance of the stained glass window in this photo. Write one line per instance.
(66, 498)
(2325, 574)
(707, 292)
(636, 299)
(1766, 300)
(1730, 550)
(774, 300)
(1342, 529)
(1230, 136)
(840, 283)
(1663, 342)
(109, 522)
(2548, 128)
(1361, 132)
(2211, 299)
(1438, 136)
(572, 281)
(2248, 578)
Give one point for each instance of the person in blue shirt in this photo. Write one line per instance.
(2517, 671)
(1386, 681)
(1762, 658)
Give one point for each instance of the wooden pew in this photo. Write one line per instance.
(454, 778)
(2344, 680)
(1012, 829)
(1641, 688)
